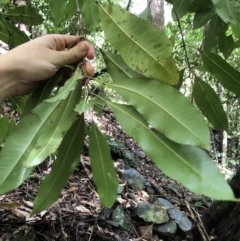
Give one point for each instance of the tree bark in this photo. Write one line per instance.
(224, 216)
(157, 12)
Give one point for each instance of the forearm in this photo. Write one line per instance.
(7, 80)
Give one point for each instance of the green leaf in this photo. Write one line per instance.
(200, 5)
(25, 14)
(43, 92)
(213, 31)
(225, 73)
(85, 104)
(148, 52)
(47, 141)
(189, 165)
(117, 68)
(166, 109)
(68, 158)
(90, 14)
(68, 87)
(236, 30)
(226, 45)
(70, 10)
(4, 124)
(57, 9)
(209, 104)
(180, 8)
(202, 17)
(37, 136)
(228, 10)
(10, 34)
(104, 173)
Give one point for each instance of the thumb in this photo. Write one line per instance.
(74, 54)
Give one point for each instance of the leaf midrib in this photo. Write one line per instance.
(147, 53)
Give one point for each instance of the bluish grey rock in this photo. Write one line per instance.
(152, 213)
(134, 179)
(121, 219)
(183, 222)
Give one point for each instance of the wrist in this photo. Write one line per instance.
(7, 78)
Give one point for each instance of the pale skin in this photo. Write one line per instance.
(24, 67)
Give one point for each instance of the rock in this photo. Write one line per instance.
(121, 219)
(152, 213)
(145, 232)
(183, 222)
(167, 229)
(134, 179)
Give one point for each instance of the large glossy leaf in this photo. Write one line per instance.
(38, 135)
(104, 173)
(90, 14)
(10, 34)
(57, 9)
(213, 31)
(117, 68)
(25, 14)
(189, 165)
(47, 140)
(166, 109)
(68, 158)
(210, 104)
(228, 10)
(224, 72)
(147, 52)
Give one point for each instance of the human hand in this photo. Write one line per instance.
(26, 65)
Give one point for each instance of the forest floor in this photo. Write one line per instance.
(78, 214)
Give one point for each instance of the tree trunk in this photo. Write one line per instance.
(224, 217)
(157, 12)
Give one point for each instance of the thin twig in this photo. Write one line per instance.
(129, 4)
(79, 15)
(181, 32)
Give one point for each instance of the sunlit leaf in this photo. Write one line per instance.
(68, 158)
(25, 14)
(224, 72)
(37, 136)
(236, 30)
(104, 173)
(166, 109)
(210, 104)
(148, 52)
(189, 165)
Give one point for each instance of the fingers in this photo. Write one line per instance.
(76, 53)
